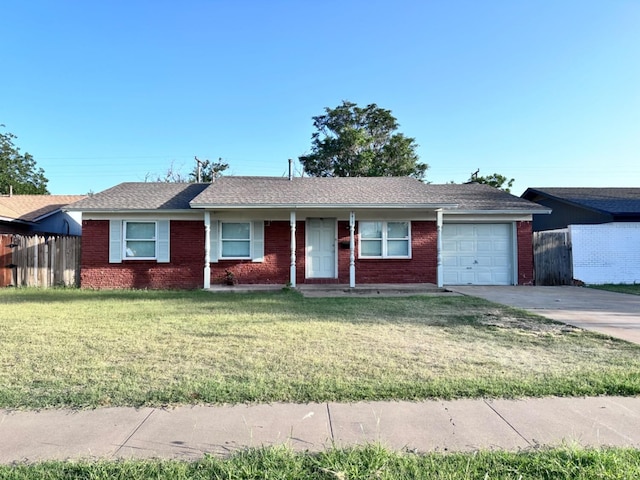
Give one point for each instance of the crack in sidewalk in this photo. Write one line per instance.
(508, 423)
(135, 430)
(330, 423)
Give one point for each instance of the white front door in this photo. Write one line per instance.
(321, 248)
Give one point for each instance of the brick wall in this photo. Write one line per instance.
(607, 253)
(187, 259)
(183, 272)
(277, 258)
(525, 253)
(422, 268)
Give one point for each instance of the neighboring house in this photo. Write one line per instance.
(304, 230)
(603, 226)
(28, 214)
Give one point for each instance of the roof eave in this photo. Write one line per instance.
(127, 210)
(15, 220)
(262, 206)
(497, 212)
(48, 214)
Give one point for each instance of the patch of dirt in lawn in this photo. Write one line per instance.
(529, 325)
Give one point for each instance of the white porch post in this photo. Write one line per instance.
(207, 250)
(440, 272)
(352, 249)
(292, 268)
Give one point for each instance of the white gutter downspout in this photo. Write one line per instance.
(207, 250)
(352, 250)
(439, 270)
(292, 267)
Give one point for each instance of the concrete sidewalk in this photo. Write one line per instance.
(188, 433)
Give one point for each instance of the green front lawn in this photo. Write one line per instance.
(372, 462)
(619, 288)
(76, 348)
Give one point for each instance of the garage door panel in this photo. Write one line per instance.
(450, 261)
(477, 254)
(501, 262)
(465, 246)
(483, 261)
(484, 246)
(483, 231)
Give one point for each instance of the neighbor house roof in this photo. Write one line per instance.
(614, 201)
(31, 208)
(305, 192)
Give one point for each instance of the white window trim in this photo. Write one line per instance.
(385, 240)
(125, 257)
(250, 240)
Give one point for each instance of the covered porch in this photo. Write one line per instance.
(322, 249)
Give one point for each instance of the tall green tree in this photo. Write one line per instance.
(351, 141)
(18, 170)
(495, 180)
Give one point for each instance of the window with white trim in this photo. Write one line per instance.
(235, 240)
(139, 240)
(384, 239)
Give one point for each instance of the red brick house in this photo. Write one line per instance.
(268, 230)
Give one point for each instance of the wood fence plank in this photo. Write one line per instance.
(552, 257)
(46, 261)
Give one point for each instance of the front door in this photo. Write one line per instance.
(321, 248)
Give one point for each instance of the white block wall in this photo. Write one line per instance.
(606, 253)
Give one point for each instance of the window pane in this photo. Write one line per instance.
(398, 248)
(141, 249)
(371, 229)
(235, 249)
(142, 231)
(397, 230)
(236, 231)
(371, 248)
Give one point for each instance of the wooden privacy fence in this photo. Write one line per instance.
(552, 261)
(41, 261)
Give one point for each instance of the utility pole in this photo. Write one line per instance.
(199, 164)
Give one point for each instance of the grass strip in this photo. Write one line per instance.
(368, 462)
(633, 289)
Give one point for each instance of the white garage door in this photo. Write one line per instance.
(477, 254)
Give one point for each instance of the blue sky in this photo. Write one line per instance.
(544, 91)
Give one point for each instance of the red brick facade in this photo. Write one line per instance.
(525, 253)
(185, 269)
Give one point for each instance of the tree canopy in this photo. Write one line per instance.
(351, 141)
(207, 171)
(495, 180)
(18, 170)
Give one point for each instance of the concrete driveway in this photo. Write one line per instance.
(614, 314)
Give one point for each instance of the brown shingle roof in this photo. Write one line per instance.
(142, 196)
(479, 197)
(29, 208)
(275, 192)
(315, 191)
